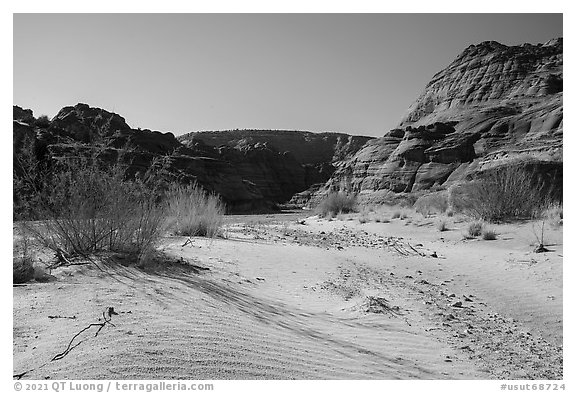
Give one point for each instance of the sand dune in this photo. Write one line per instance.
(291, 301)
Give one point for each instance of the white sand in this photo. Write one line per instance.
(286, 301)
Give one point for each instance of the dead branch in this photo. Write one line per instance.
(107, 316)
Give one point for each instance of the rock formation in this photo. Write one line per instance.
(492, 105)
(250, 173)
(279, 162)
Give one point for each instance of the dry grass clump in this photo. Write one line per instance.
(22, 263)
(442, 225)
(436, 202)
(401, 214)
(488, 234)
(554, 214)
(336, 203)
(475, 228)
(22, 270)
(193, 211)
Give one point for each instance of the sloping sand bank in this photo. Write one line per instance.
(318, 300)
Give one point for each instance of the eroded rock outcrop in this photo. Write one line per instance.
(280, 162)
(492, 105)
(250, 174)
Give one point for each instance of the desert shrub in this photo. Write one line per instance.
(488, 234)
(396, 214)
(436, 202)
(336, 203)
(22, 263)
(554, 215)
(441, 225)
(475, 228)
(193, 211)
(22, 270)
(87, 205)
(512, 192)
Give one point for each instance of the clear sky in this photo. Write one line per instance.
(353, 73)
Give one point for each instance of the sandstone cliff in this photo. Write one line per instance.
(492, 105)
(280, 162)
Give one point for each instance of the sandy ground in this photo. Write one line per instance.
(296, 297)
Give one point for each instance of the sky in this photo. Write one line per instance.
(352, 73)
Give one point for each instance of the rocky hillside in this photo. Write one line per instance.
(301, 159)
(492, 105)
(308, 148)
(250, 173)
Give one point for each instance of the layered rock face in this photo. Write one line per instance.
(249, 174)
(306, 147)
(493, 105)
(280, 162)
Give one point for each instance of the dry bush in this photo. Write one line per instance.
(511, 192)
(22, 263)
(336, 203)
(193, 211)
(22, 270)
(87, 206)
(396, 214)
(554, 214)
(436, 202)
(475, 228)
(441, 225)
(489, 234)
